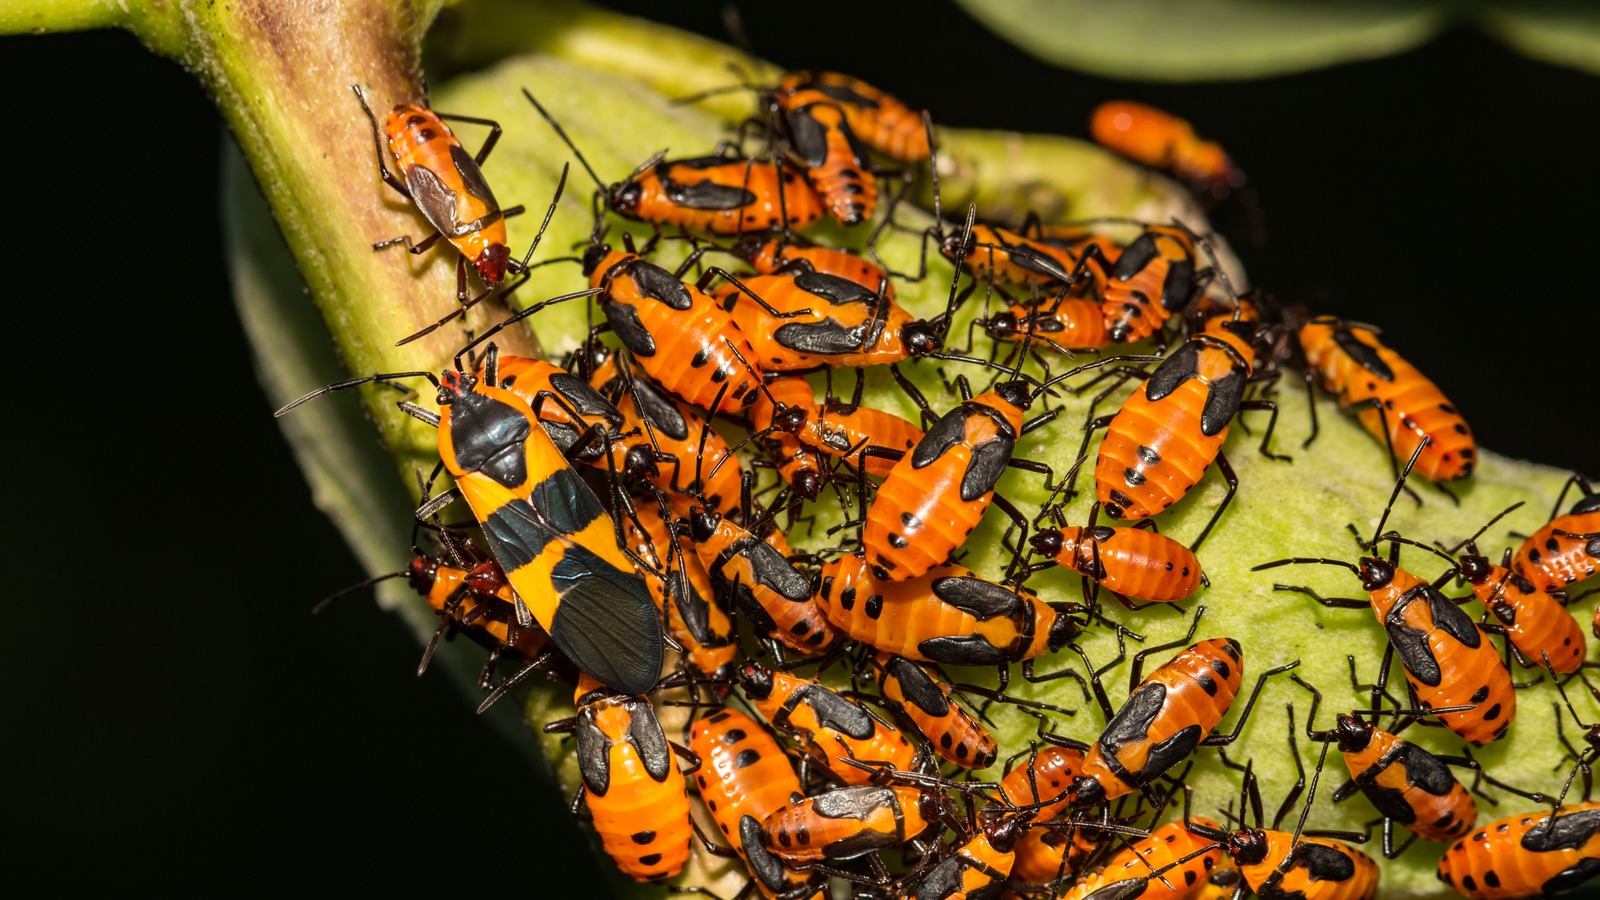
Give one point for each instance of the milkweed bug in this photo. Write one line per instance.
(1567, 549)
(1163, 141)
(683, 591)
(560, 551)
(849, 822)
(1167, 864)
(1129, 563)
(1066, 323)
(448, 188)
(1397, 404)
(781, 255)
(1532, 620)
(934, 496)
(882, 122)
(839, 429)
(1532, 854)
(1170, 429)
(743, 777)
(829, 726)
(1166, 716)
(1448, 660)
(595, 417)
(949, 615)
(923, 694)
(717, 194)
(630, 783)
(764, 587)
(835, 160)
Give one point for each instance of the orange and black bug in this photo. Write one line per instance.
(667, 442)
(978, 868)
(1170, 863)
(1397, 404)
(1447, 658)
(1044, 786)
(1152, 278)
(1222, 885)
(1166, 716)
(780, 255)
(683, 592)
(949, 615)
(835, 160)
(448, 188)
(789, 408)
(717, 194)
(743, 777)
(923, 693)
(880, 121)
(1066, 323)
(829, 726)
(801, 467)
(850, 822)
(1163, 141)
(1003, 256)
(1534, 854)
(560, 551)
(1279, 865)
(1567, 549)
(1533, 621)
(634, 791)
(936, 494)
(1406, 783)
(1131, 563)
(1171, 428)
(764, 586)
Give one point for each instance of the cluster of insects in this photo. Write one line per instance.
(622, 544)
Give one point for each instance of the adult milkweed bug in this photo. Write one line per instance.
(560, 551)
(1448, 660)
(1567, 549)
(1166, 716)
(1171, 428)
(717, 194)
(630, 783)
(788, 407)
(923, 694)
(1276, 864)
(764, 586)
(829, 726)
(683, 591)
(779, 254)
(949, 615)
(1533, 854)
(1163, 141)
(1397, 404)
(743, 777)
(1130, 563)
(448, 188)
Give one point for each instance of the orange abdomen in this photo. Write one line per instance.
(1310, 875)
(1534, 621)
(1353, 365)
(642, 816)
(1165, 845)
(1136, 563)
(1556, 562)
(1526, 855)
(447, 186)
(1154, 452)
(845, 823)
(766, 589)
(1159, 140)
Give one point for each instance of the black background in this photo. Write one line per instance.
(173, 715)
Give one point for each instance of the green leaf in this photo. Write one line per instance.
(1194, 40)
(1566, 34)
